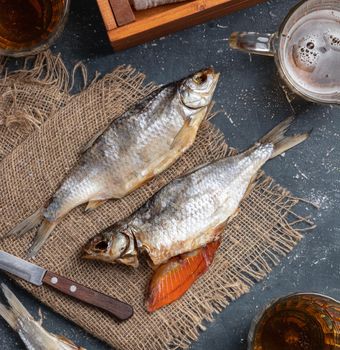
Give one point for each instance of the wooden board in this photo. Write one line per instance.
(122, 11)
(156, 22)
(107, 14)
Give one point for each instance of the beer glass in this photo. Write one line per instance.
(297, 322)
(30, 26)
(306, 49)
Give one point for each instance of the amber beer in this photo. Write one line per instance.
(297, 322)
(28, 26)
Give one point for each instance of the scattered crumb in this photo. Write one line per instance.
(300, 173)
(229, 118)
(225, 39)
(330, 151)
(320, 199)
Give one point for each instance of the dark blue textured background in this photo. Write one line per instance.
(251, 102)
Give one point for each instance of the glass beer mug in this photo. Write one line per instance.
(30, 26)
(306, 49)
(297, 322)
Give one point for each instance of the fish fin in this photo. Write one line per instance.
(184, 137)
(67, 341)
(94, 138)
(27, 224)
(281, 142)
(194, 169)
(210, 114)
(172, 279)
(232, 216)
(131, 260)
(288, 143)
(277, 133)
(217, 230)
(9, 316)
(150, 263)
(15, 311)
(92, 205)
(250, 187)
(41, 237)
(182, 141)
(14, 302)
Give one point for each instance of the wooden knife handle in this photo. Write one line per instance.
(118, 309)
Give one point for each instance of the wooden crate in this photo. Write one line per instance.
(141, 26)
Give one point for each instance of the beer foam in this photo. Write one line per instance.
(333, 40)
(305, 54)
(311, 54)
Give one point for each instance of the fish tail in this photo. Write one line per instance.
(9, 316)
(30, 331)
(27, 225)
(41, 237)
(172, 279)
(45, 230)
(280, 141)
(15, 311)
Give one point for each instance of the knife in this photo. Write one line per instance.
(37, 275)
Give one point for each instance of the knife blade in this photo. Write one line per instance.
(38, 276)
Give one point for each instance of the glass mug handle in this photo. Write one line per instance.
(251, 42)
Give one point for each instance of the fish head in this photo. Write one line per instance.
(196, 91)
(114, 245)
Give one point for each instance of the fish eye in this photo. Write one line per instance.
(200, 78)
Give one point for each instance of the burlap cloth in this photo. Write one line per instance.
(255, 240)
(29, 96)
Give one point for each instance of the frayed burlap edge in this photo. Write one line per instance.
(29, 96)
(44, 69)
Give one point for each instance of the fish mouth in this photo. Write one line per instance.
(208, 71)
(97, 248)
(203, 74)
(216, 77)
